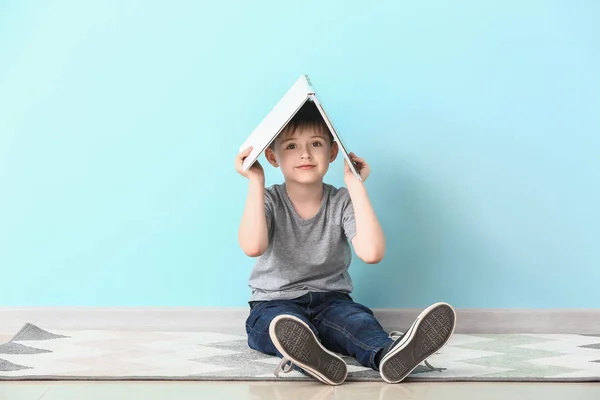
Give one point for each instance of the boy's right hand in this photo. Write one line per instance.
(254, 172)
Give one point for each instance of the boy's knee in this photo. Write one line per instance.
(350, 309)
(261, 316)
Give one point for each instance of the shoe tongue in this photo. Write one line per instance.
(398, 339)
(387, 348)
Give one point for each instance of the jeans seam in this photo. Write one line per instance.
(344, 332)
(372, 360)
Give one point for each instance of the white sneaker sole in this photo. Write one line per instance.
(297, 342)
(432, 329)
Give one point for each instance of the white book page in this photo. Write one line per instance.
(336, 137)
(275, 121)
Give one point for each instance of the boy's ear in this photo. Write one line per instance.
(270, 156)
(334, 152)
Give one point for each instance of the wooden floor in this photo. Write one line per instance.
(294, 391)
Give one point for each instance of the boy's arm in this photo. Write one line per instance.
(369, 241)
(253, 234)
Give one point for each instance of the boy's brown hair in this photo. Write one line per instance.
(308, 117)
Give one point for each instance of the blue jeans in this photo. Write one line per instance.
(342, 325)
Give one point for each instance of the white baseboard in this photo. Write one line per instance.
(232, 320)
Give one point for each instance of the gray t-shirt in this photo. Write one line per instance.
(305, 255)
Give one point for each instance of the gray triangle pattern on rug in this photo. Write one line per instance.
(32, 332)
(8, 366)
(9, 348)
(591, 346)
(17, 348)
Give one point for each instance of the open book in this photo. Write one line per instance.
(268, 129)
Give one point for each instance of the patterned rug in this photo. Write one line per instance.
(36, 354)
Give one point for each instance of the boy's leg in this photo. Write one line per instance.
(282, 328)
(261, 315)
(350, 328)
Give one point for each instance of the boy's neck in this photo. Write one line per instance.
(301, 193)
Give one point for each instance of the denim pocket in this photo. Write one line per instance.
(343, 296)
(254, 304)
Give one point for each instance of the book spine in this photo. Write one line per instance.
(309, 86)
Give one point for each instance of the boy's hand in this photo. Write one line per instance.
(256, 170)
(361, 166)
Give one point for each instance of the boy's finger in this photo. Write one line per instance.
(246, 152)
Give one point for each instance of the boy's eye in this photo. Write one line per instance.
(316, 144)
(291, 146)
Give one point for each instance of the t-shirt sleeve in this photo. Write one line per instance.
(348, 221)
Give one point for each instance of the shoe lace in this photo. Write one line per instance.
(394, 335)
(284, 366)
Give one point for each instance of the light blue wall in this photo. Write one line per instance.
(119, 122)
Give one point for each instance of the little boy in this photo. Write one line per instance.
(300, 232)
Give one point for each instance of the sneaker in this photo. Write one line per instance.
(428, 334)
(300, 347)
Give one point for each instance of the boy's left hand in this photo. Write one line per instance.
(361, 166)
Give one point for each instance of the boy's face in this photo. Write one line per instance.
(304, 155)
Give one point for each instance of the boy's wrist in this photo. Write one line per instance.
(355, 184)
(257, 180)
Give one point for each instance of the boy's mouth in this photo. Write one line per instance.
(306, 166)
